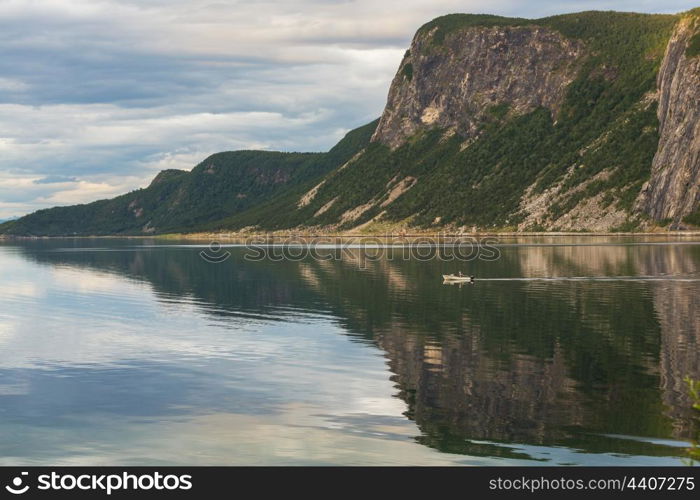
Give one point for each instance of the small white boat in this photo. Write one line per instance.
(457, 278)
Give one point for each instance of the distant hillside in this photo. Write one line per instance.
(587, 121)
(176, 201)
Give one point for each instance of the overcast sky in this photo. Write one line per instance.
(97, 96)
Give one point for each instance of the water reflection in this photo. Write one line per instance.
(512, 368)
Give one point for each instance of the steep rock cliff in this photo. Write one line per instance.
(455, 81)
(674, 188)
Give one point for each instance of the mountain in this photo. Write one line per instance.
(586, 121)
(177, 200)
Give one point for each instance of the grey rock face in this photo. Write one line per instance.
(674, 188)
(455, 83)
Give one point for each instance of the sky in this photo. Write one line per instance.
(97, 96)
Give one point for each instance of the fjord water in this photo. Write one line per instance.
(565, 351)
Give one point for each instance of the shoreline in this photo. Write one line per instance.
(216, 236)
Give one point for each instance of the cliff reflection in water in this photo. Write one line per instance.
(595, 365)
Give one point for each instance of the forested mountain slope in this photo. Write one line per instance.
(586, 121)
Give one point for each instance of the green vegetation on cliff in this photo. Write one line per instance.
(693, 218)
(693, 49)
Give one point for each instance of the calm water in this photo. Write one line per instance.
(566, 351)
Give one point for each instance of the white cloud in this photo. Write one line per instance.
(12, 85)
